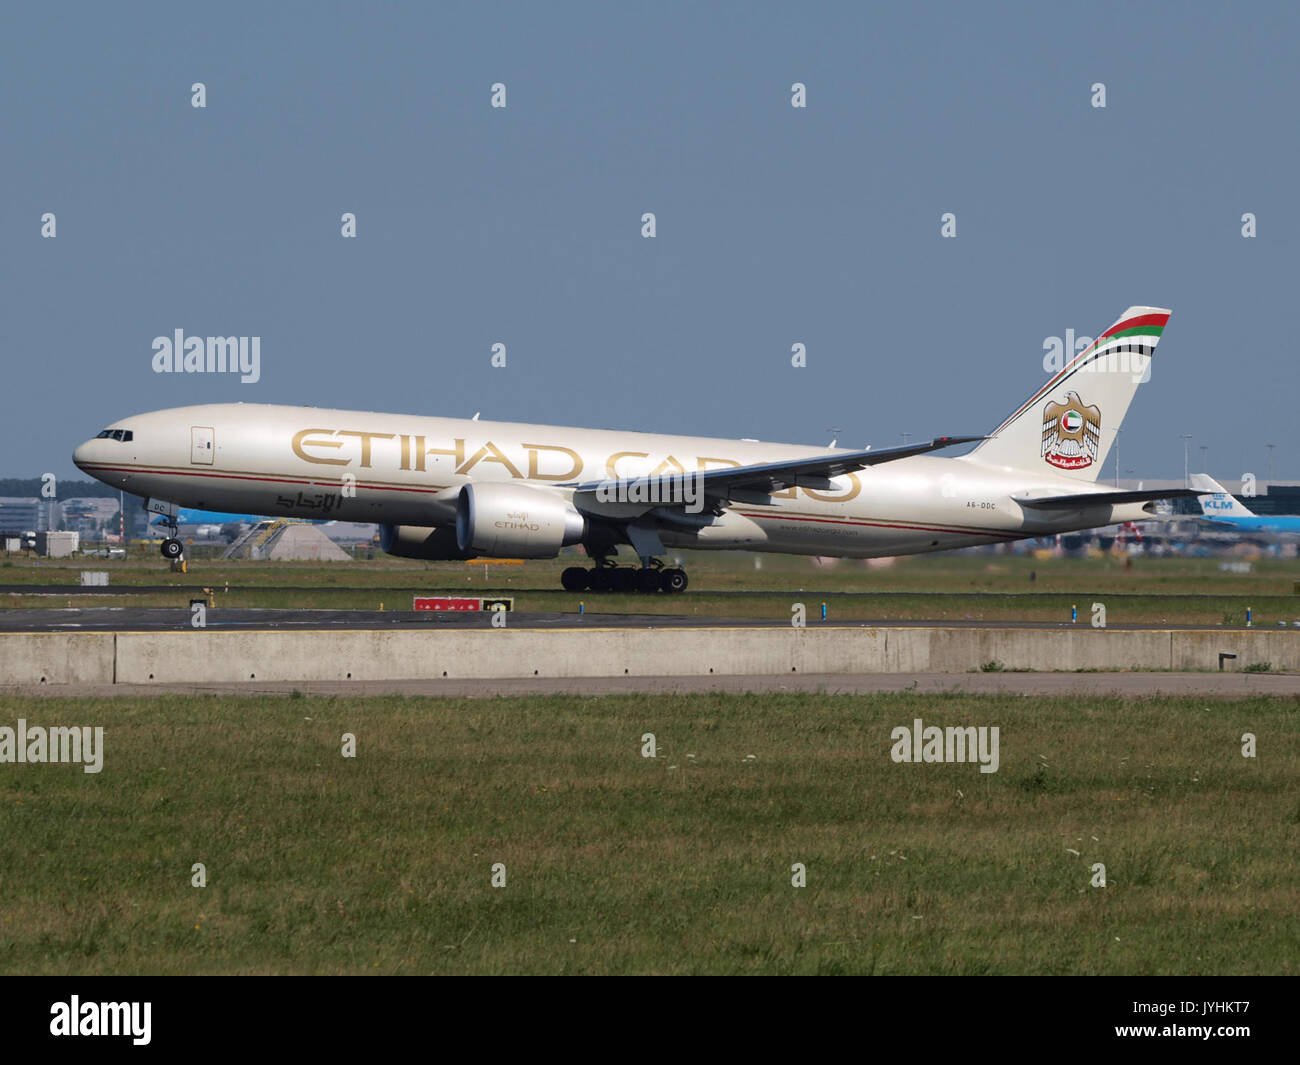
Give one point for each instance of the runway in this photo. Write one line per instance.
(91, 591)
(148, 619)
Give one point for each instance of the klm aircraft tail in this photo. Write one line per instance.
(1218, 502)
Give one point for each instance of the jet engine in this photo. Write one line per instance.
(433, 544)
(515, 521)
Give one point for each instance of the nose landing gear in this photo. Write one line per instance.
(173, 550)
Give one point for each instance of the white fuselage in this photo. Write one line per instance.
(398, 469)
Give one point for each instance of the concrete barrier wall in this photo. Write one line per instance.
(1200, 649)
(958, 650)
(413, 654)
(56, 658)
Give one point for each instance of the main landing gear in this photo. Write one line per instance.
(607, 577)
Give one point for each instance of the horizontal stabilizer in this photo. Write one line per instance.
(1100, 499)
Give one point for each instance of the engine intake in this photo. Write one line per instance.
(515, 521)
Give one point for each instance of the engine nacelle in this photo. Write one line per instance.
(515, 521)
(433, 544)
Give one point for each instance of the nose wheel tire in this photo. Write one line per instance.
(172, 549)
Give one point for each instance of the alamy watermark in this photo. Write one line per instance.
(102, 1018)
(672, 489)
(58, 743)
(1059, 352)
(930, 743)
(181, 354)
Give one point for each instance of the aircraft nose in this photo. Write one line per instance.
(82, 455)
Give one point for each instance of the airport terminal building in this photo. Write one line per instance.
(19, 515)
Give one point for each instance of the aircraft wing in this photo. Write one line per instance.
(1088, 499)
(761, 479)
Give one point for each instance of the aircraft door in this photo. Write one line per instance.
(201, 445)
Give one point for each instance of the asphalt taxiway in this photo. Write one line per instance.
(829, 595)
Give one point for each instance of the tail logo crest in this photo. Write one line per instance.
(1071, 433)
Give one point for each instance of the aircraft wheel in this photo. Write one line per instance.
(647, 581)
(574, 579)
(599, 579)
(172, 549)
(625, 579)
(673, 580)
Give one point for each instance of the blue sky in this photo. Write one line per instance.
(775, 225)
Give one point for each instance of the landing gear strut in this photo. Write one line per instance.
(172, 549)
(607, 577)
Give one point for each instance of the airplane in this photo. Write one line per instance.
(453, 489)
(1222, 508)
(188, 516)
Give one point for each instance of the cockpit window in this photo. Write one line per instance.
(124, 435)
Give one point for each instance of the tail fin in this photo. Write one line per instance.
(1218, 503)
(1068, 426)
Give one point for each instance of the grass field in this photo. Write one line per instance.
(952, 586)
(617, 863)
